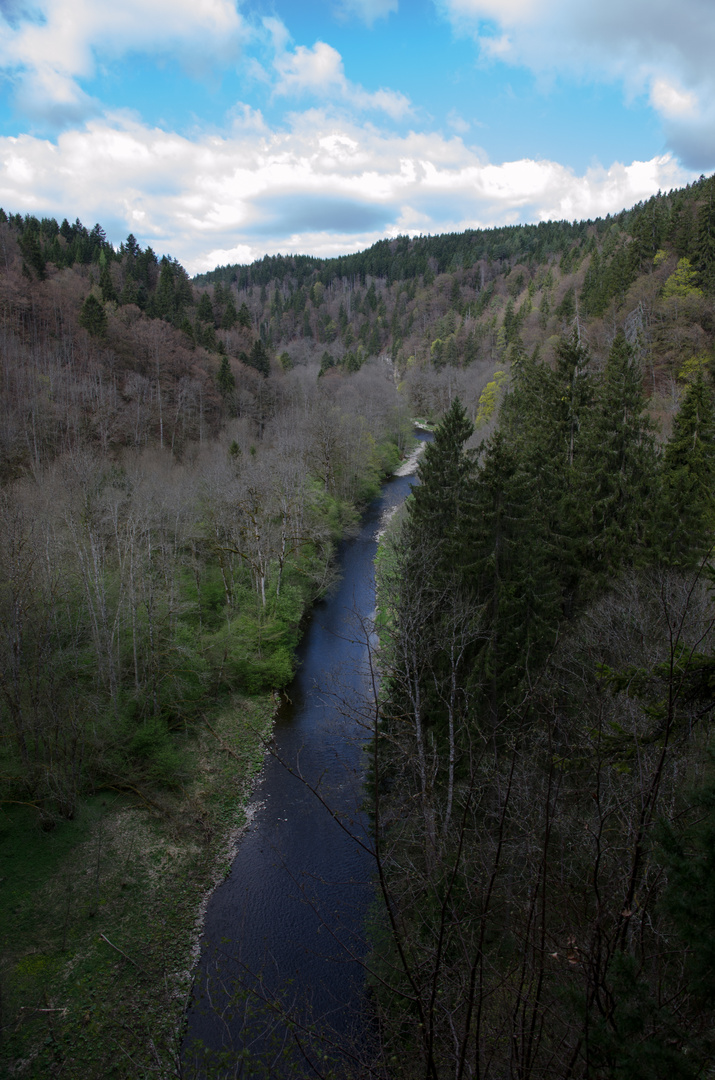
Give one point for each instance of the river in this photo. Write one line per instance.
(279, 984)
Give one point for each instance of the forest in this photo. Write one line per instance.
(179, 460)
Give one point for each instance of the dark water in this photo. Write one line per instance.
(279, 980)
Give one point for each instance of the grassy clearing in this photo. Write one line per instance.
(99, 916)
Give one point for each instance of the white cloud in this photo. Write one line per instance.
(652, 47)
(368, 10)
(319, 70)
(48, 55)
(670, 100)
(322, 186)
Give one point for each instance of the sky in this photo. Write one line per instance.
(222, 130)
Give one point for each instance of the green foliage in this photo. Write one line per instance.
(682, 284)
(204, 309)
(687, 478)
(438, 504)
(31, 248)
(133, 867)
(225, 378)
(258, 358)
(705, 245)
(688, 854)
(93, 317)
(639, 1039)
(326, 362)
(489, 398)
(615, 472)
(106, 285)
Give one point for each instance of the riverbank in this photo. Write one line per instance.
(102, 915)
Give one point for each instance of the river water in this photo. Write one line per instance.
(279, 987)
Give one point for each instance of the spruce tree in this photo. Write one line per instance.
(541, 417)
(513, 573)
(258, 358)
(204, 310)
(434, 603)
(686, 509)
(705, 246)
(106, 285)
(225, 378)
(93, 317)
(616, 470)
(436, 512)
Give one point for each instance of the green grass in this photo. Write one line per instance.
(73, 1005)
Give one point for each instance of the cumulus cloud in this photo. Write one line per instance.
(49, 53)
(322, 186)
(319, 71)
(652, 47)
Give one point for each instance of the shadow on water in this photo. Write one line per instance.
(279, 988)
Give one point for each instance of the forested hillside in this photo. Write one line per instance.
(450, 302)
(178, 460)
(543, 775)
(167, 510)
(170, 503)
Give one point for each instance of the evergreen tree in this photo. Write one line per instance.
(93, 317)
(258, 358)
(573, 392)
(225, 378)
(689, 855)
(686, 510)
(162, 305)
(616, 469)
(204, 311)
(132, 247)
(512, 570)
(230, 315)
(705, 258)
(32, 252)
(106, 285)
(437, 509)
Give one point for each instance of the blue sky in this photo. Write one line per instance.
(218, 131)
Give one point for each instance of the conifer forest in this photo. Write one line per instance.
(179, 461)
